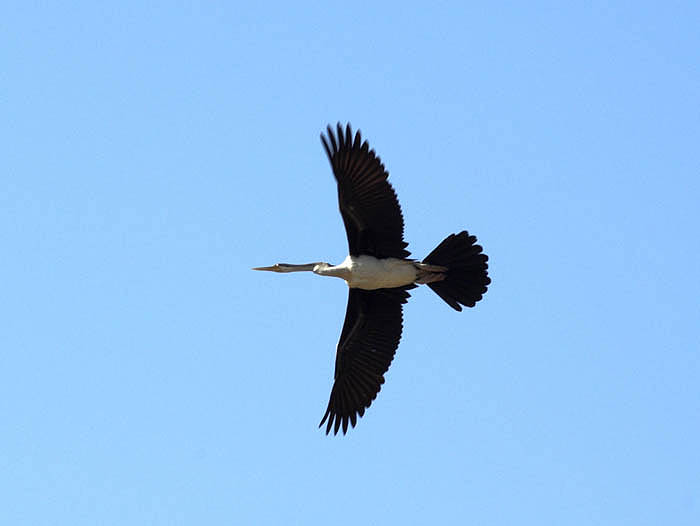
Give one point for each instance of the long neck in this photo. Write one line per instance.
(288, 267)
(320, 268)
(336, 271)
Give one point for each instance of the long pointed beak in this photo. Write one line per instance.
(272, 268)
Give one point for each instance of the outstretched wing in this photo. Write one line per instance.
(368, 203)
(368, 342)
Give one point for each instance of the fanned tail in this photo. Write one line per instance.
(466, 279)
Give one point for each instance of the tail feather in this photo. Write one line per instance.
(466, 279)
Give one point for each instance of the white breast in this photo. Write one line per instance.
(369, 273)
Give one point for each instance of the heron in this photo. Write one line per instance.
(379, 274)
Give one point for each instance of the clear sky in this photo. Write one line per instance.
(153, 152)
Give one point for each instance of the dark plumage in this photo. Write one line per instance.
(380, 275)
(371, 334)
(374, 319)
(466, 279)
(368, 203)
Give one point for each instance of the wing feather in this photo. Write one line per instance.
(367, 201)
(368, 342)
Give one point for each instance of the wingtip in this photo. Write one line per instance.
(329, 420)
(335, 423)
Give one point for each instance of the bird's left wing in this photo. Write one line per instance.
(368, 342)
(369, 206)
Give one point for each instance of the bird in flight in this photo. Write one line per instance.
(379, 274)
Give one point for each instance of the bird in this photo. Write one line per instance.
(379, 274)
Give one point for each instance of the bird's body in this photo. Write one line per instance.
(379, 274)
(370, 273)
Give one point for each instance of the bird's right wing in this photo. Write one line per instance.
(369, 206)
(368, 342)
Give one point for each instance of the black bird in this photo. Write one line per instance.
(379, 275)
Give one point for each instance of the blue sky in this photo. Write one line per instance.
(154, 152)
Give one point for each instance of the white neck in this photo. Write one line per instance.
(336, 271)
